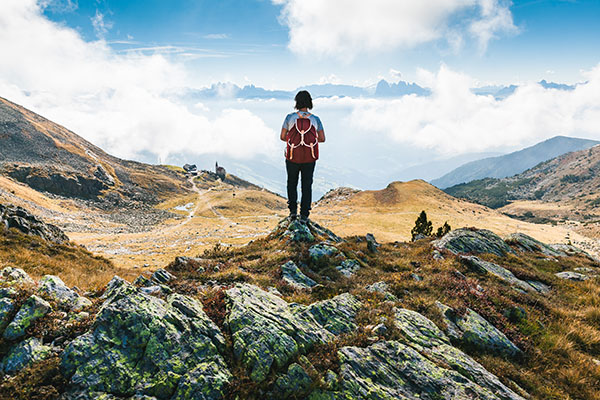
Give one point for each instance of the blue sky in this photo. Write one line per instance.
(247, 41)
(119, 74)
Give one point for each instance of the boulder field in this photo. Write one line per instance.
(154, 339)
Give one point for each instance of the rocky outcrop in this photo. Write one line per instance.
(32, 309)
(526, 243)
(473, 241)
(348, 267)
(140, 344)
(572, 276)
(472, 330)
(24, 354)
(268, 332)
(484, 267)
(21, 219)
(296, 278)
(424, 366)
(298, 231)
(53, 287)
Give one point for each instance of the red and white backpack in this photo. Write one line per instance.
(302, 141)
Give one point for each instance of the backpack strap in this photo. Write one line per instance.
(301, 116)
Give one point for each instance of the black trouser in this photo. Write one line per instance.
(293, 170)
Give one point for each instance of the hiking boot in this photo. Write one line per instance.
(304, 219)
(293, 216)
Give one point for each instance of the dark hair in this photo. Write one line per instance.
(303, 100)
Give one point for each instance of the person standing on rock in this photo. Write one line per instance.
(302, 131)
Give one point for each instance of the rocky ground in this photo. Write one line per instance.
(304, 313)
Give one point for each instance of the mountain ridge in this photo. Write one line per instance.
(513, 163)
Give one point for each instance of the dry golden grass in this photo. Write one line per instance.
(72, 263)
(390, 214)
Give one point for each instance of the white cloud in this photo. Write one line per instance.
(101, 27)
(395, 74)
(347, 28)
(216, 36)
(119, 102)
(453, 120)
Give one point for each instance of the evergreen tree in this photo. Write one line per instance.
(442, 230)
(422, 226)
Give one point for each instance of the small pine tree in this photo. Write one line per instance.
(442, 230)
(422, 226)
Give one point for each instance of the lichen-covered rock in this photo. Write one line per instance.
(13, 275)
(571, 250)
(372, 244)
(268, 332)
(425, 337)
(483, 267)
(348, 267)
(383, 288)
(298, 231)
(392, 370)
(24, 354)
(32, 309)
(336, 314)
(473, 330)
(528, 244)
(465, 240)
(294, 277)
(295, 383)
(161, 276)
(321, 250)
(142, 344)
(53, 287)
(6, 306)
(572, 276)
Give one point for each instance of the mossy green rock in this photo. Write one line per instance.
(268, 332)
(295, 383)
(32, 309)
(475, 241)
(13, 275)
(526, 243)
(140, 344)
(422, 366)
(348, 267)
(480, 266)
(295, 277)
(23, 355)
(475, 331)
(51, 286)
(321, 250)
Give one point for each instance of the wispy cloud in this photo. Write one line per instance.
(216, 36)
(119, 101)
(326, 28)
(101, 26)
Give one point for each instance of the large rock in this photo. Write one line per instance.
(528, 244)
(348, 267)
(466, 240)
(15, 276)
(298, 231)
(320, 250)
(140, 344)
(475, 331)
(53, 287)
(480, 266)
(393, 370)
(294, 277)
(268, 332)
(572, 276)
(32, 309)
(21, 219)
(24, 354)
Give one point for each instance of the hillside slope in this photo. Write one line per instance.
(513, 163)
(390, 213)
(50, 158)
